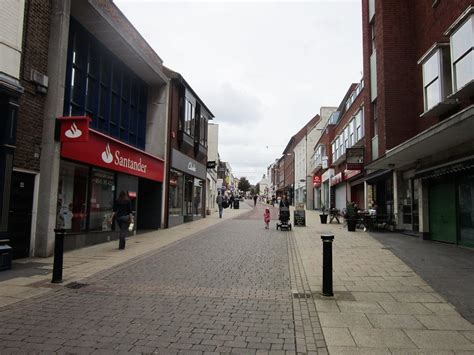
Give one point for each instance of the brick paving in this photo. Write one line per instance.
(226, 289)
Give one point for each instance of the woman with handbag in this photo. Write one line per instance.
(123, 215)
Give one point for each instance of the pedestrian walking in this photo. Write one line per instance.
(266, 218)
(284, 202)
(122, 212)
(219, 201)
(231, 201)
(254, 200)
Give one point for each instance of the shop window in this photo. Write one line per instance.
(176, 191)
(102, 199)
(462, 54)
(72, 197)
(197, 197)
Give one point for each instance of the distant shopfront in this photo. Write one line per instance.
(94, 168)
(187, 180)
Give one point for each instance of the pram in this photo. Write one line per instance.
(284, 219)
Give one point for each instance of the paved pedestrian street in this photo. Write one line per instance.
(220, 286)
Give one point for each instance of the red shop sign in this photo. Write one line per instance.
(74, 129)
(316, 181)
(106, 152)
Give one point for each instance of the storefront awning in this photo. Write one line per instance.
(447, 134)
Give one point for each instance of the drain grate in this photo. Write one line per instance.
(76, 285)
(302, 295)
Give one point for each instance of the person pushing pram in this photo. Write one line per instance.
(284, 215)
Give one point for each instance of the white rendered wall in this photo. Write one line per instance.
(11, 36)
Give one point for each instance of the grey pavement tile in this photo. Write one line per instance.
(404, 308)
(381, 338)
(359, 307)
(344, 320)
(445, 322)
(440, 340)
(352, 350)
(394, 321)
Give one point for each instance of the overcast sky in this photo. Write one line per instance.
(264, 68)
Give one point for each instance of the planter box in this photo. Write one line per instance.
(323, 218)
(351, 225)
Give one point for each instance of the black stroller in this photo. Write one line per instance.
(284, 219)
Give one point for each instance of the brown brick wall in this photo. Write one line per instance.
(405, 30)
(35, 56)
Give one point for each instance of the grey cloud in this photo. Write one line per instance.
(233, 106)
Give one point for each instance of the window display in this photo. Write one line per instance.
(102, 199)
(72, 196)
(176, 193)
(197, 199)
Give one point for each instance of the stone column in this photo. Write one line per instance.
(50, 149)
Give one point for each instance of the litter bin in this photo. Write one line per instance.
(5, 257)
(236, 204)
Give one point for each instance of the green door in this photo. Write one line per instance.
(442, 201)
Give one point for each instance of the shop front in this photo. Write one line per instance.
(327, 198)
(451, 202)
(186, 195)
(339, 189)
(94, 168)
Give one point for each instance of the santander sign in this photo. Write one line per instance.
(122, 161)
(103, 151)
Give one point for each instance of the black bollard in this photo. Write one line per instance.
(327, 264)
(58, 255)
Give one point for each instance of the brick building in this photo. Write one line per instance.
(187, 152)
(419, 124)
(83, 62)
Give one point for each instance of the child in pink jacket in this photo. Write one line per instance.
(266, 218)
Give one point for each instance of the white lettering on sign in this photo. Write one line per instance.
(192, 166)
(129, 163)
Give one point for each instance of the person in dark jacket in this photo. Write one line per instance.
(123, 215)
(284, 202)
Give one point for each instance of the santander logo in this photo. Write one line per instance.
(73, 132)
(118, 159)
(107, 156)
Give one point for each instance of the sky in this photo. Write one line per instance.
(264, 68)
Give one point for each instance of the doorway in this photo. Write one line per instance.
(20, 214)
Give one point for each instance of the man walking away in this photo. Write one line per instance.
(219, 200)
(254, 200)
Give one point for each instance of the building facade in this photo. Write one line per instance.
(418, 64)
(188, 149)
(93, 123)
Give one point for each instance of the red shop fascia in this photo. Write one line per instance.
(85, 145)
(94, 167)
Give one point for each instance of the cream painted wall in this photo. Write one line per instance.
(11, 36)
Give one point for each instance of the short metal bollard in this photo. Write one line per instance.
(58, 255)
(327, 264)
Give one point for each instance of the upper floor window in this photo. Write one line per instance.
(436, 76)
(462, 53)
(359, 123)
(371, 9)
(100, 86)
(189, 114)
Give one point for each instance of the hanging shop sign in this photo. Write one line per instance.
(74, 129)
(316, 181)
(355, 158)
(106, 152)
(211, 164)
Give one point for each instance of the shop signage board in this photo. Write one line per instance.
(336, 179)
(317, 181)
(211, 164)
(187, 165)
(106, 152)
(354, 158)
(75, 129)
(299, 217)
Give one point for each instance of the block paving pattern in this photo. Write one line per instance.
(226, 289)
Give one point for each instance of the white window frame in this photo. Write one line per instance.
(465, 53)
(352, 138)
